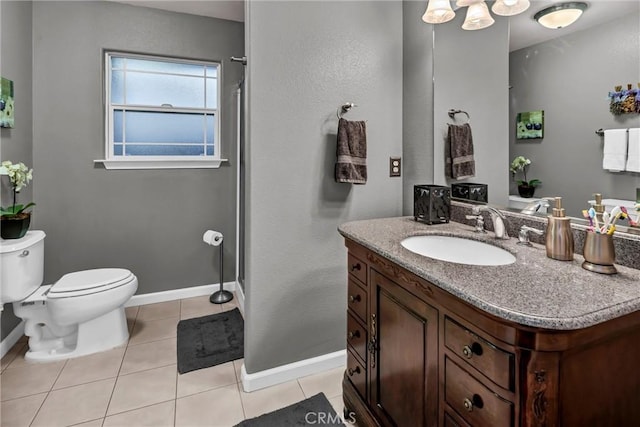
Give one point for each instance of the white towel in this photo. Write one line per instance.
(615, 150)
(633, 159)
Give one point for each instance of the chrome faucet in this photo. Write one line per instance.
(534, 207)
(498, 219)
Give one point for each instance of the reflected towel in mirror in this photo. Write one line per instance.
(633, 158)
(615, 150)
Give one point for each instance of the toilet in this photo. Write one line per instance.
(80, 314)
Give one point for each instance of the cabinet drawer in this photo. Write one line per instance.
(357, 337)
(357, 374)
(494, 363)
(475, 403)
(450, 421)
(357, 299)
(358, 268)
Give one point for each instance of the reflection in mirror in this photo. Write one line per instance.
(569, 78)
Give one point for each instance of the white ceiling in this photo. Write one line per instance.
(524, 30)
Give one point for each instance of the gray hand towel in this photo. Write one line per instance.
(460, 162)
(351, 164)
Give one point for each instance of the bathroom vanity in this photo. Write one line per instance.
(538, 342)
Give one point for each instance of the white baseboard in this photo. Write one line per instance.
(240, 297)
(292, 371)
(174, 294)
(10, 340)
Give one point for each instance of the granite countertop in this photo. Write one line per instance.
(534, 291)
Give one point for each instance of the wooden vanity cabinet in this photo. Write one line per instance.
(419, 356)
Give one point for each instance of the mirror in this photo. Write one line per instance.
(569, 78)
(567, 73)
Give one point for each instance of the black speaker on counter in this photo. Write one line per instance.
(432, 203)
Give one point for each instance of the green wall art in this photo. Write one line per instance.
(6, 103)
(530, 125)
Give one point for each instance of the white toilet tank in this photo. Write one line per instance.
(21, 266)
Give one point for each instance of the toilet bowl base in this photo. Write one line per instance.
(100, 334)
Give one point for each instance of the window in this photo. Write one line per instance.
(161, 112)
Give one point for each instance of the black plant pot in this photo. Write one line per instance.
(526, 191)
(14, 228)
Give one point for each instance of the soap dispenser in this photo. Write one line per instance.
(559, 237)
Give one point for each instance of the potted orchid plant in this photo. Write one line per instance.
(14, 219)
(526, 188)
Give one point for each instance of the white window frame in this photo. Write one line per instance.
(112, 161)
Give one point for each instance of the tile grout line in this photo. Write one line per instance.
(106, 411)
(48, 393)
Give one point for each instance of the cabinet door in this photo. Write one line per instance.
(403, 355)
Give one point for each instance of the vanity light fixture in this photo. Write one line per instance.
(560, 15)
(438, 12)
(478, 16)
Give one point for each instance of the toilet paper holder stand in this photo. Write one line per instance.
(221, 296)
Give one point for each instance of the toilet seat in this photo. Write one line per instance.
(89, 282)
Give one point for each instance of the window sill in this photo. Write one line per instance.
(161, 164)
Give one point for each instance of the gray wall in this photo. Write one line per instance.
(569, 78)
(471, 74)
(305, 60)
(16, 143)
(150, 221)
(417, 101)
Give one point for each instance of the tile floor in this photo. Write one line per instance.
(138, 384)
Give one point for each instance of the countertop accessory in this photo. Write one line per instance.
(431, 203)
(559, 239)
(523, 235)
(599, 253)
(470, 191)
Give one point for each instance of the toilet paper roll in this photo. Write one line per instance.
(213, 238)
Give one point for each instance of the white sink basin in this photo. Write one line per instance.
(458, 250)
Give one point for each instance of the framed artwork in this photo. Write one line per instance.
(6, 103)
(530, 125)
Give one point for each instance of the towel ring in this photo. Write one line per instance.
(344, 108)
(452, 113)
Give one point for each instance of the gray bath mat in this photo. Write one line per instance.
(315, 410)
(210, 340)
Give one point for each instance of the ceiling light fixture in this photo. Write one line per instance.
(560, 15)
(478, 16)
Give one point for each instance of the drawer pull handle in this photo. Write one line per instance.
(354, 334)
(352, 372)
(356, 266)
(474, 402)
(469, 350)
(354, 298)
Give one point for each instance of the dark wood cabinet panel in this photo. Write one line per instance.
(474, 402)
(357, 299)
(495, 363)
(404, 363)
(357, 337)
(357, 267)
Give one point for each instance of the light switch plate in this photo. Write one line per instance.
(395, 166)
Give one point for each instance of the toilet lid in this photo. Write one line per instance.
(90, 280)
